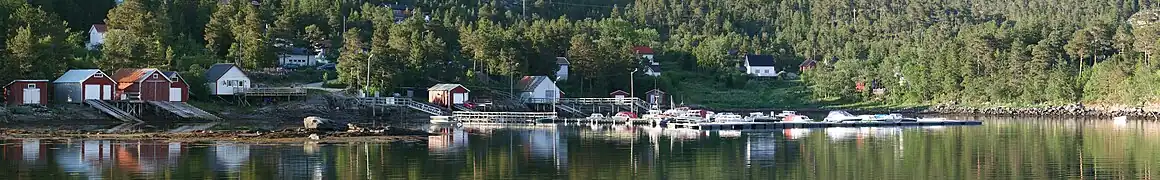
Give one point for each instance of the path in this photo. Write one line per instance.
(318, 86)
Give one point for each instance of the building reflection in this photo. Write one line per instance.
(451, 140)
(231, 156)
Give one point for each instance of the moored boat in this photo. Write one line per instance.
(443, 120)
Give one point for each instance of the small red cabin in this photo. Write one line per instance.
(619, 94)
(178, 89)
(22, 92)
(447, 94)
(142, 84)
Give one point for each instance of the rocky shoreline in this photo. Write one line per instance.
(1072, 110)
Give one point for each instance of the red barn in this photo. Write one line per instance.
(142, 84)
(447, 94)
(21, 92)
(78, 85)
(178, 90)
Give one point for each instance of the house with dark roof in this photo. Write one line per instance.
(96, 36)
(538, 89)
(300, 57)
(760, 65)
(562, 72)
(146, 84)
(226, 79)
(653, 70)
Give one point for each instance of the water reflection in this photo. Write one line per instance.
(1002, 149)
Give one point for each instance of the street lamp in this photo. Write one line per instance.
(632, 87)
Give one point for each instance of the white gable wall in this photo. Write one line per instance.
(233, 79)
(562, 74)
(95, 38)
(300, 60)
(761, 71)
(542, 91)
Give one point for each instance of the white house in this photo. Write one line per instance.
(760, 65)
(538, 89)
(653, 70)
(96, 36)
(644, 52)
(300, 57)
(562, 72)
(226, 79)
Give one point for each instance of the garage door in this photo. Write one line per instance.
(175, 94)
(31, 96)
(107, 94)
(92, 92)
(459, 98)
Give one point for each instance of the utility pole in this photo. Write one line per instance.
(632, 87)
(367, 86)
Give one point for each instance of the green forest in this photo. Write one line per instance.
(1029, 52)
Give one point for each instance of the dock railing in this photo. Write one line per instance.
(585, 101)
(276, 91)
(501, 117)
(393, 101)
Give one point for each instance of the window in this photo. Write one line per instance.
(31, 86)
(550, 94)
(154, 76)
(99, 75)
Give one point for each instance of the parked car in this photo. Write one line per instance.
(291, 66)
(327, 66)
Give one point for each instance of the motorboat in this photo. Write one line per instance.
(623, 116)
(443, 120)
(797, 118)
(783, 114)
(761, 117)
(728, 117)
(596, 117)
(841, 116)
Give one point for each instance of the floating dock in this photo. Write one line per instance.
(791, 125)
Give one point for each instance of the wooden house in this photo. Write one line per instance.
(760, 65)
(448, 95)
(562, 71)
(619, 94)
(226, 79)
(146, 84)
(178, 88)
(78, 85)
(22, 92)
(538, 89)
(644, 52)
(655, 97)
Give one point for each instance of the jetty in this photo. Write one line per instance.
(404, 102)
(502, 117)
(183, 110)
(113, 111)
(792, 125)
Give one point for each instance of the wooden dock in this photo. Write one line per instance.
(501, 117)
(272, 92)
(184, 110)
(790, 125)
(404, 102)
(113, 111)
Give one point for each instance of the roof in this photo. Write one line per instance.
(760, 60)
(101, 28)
(446, 87)
(15, 81)
(810, 62)
(216, 71)
(655, 91)
(529, 83)
(77, 75)
(125, 77)
(301, 51)
(642, 50)
(562, 61)
(654, 68)
(170, 74)
(618, 92)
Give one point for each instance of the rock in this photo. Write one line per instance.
(323, 124)
(314, 137)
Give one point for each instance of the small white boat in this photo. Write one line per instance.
(797, 118)
(596, 117)
(728, 117)
(443, 120)
(843, 116)
(785, 113)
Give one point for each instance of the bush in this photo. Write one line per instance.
(20, 110)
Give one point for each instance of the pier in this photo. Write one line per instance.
(791, 125)
(501, 117)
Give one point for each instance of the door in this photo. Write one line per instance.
(92, 92)
(107, 92)
(175, 94)
(459, 98)
(31, 96)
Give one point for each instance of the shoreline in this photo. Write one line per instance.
(287, 136)
(1073, 110)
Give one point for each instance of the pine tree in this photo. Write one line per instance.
(352, 61)
(134, 38)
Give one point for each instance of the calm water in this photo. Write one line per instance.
(1000, 149)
